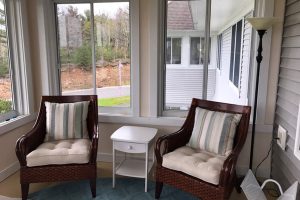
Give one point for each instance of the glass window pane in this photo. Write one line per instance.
(75, 50)
(183, 74)
(219, 51)
(238, 53)
(168, 51)
(195, 50)
(112, 44)
(176, 50)
(6, 104)
(232, 54)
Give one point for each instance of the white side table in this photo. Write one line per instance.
(133, 139)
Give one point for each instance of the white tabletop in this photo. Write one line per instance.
(134, 134)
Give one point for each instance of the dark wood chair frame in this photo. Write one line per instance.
(66, 172)
(195, 186)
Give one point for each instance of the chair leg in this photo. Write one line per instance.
(237, 185)
(93, 187)
(25, 189)
(158, 189)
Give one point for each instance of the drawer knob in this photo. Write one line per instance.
(130, 147)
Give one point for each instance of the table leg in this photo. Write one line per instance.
(114, 166)
(146, 167)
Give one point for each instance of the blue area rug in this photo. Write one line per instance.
(126, 188)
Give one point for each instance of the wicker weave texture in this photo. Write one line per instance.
(57, 173)
(200, 189)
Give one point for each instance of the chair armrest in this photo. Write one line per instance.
(171, 142)
(94, 146)
(228, 170)
(29, 141)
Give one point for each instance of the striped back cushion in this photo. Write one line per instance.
(66, 120)
(214, 131)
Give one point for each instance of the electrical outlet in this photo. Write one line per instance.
(281, 134)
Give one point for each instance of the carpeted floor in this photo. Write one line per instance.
(126, 189)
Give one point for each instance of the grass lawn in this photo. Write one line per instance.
(117, 101)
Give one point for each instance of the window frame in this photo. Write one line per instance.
(219, 51)
(234, 64)
(171, 50)
(134, 109)
(19, 55)
(201, 42)
(162, 77)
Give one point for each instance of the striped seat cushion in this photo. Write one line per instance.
(66, 120)
(214, 131)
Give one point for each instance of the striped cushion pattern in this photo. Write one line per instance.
(66, 120)
(214, 131)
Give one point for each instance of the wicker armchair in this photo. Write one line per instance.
(191, 184)
(59, 172)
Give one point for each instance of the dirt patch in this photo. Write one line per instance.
(5, 89)
(75, 78)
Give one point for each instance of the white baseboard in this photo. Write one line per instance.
(240, 170)
(9, 170)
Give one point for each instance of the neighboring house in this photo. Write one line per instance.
(184, 56)
(229, 56)
(234, 47)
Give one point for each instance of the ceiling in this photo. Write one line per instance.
(223, 12)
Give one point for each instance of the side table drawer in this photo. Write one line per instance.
(129, 147)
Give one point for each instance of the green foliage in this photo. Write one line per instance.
(64, 56)
(3, 68)
(83, 56)
(117, 101)
(112, 38)
(5, 106)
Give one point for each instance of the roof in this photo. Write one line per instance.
(180, 16)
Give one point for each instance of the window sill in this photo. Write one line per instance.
(15, 123)
(126, 119)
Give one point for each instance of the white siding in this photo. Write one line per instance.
(245, 60)
(225, 90)
(184, 84)
(285, 166)
(185, 81)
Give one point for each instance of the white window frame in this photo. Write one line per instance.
(19, 57)
(171, 49)
(209, 50)
(134, 109)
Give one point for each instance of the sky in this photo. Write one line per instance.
(99, 8)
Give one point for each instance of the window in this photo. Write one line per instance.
(204, 51)
(235, 58)
(173, 51)
(95, 52)
(14, 79)
(184, 45)
(197, 50)
(219, 51)
(6, 95)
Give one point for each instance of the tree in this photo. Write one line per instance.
(122, 32)
(83, 56)
(4, 67)
(72, 11)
